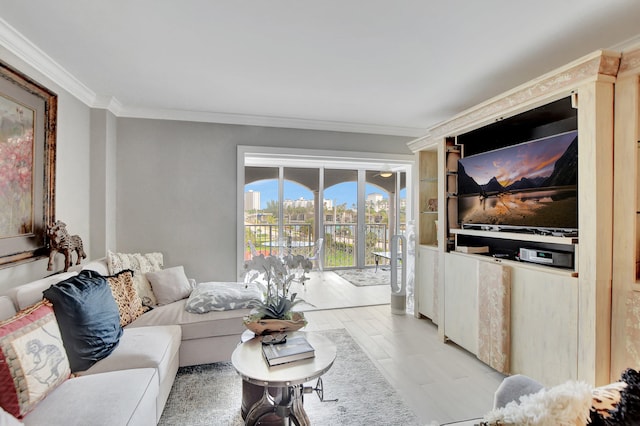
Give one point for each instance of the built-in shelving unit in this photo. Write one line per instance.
(556, 117)
(576, 301)
(452, 155)
(428, 202)
(625, 318)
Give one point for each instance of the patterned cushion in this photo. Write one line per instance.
(140, 264)
(220, 296)
(126, 296)
(33, 361)
(7, 419)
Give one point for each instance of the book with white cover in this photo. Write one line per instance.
(294, 349)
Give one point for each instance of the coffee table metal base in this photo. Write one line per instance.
(276, 406)
(274, 395)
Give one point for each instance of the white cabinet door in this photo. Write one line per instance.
(461, 300)
(428, 279)
(544, 325)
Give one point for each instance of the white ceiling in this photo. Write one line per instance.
(378, 66)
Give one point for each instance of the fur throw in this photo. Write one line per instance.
(575, 403)
(567, 404)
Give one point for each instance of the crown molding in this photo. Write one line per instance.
(630, 44)
(109, 103)
(601, 65)
(266, 121)
(28, 52)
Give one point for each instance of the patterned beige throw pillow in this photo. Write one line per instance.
(126, 296)
(140, 264)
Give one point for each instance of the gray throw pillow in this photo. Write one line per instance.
(169, 285)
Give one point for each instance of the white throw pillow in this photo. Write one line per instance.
(140, 264)
(169, 285)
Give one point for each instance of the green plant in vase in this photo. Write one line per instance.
(275, 275)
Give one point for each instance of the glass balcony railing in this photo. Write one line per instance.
(340, 241)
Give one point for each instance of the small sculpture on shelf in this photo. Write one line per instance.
(61, 241)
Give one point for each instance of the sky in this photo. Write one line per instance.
(509, 165)
(342, 193)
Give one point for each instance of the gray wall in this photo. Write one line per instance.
(137, 185)
(103, 182)
(72, 174)
(176, 186)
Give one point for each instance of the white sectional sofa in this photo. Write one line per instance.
(131, 385)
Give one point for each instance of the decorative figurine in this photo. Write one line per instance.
(61, 241)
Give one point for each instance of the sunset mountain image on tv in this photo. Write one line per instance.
(531, 185)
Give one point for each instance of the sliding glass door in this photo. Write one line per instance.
(355, 211)
(341, 218)
(300, 201)
(261, 211)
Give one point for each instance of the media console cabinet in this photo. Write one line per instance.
(556, 321)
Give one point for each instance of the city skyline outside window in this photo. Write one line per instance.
(339, 194)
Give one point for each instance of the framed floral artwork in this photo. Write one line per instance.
(28, 113)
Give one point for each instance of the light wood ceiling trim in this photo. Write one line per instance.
(600, 65)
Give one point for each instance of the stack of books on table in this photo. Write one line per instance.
(294, 349)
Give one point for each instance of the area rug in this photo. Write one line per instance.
(367, 276)
(211, 394)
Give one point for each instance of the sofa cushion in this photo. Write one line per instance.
(32, 358)
(126, 397)
(31, 293)
(195, 326)
(7, 309)
(7, 419)
(147, 347)
(140, 264)
(222, 296)
(88, 318)
(169, 285)
(126, 296)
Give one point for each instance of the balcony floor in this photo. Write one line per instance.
(326, 290)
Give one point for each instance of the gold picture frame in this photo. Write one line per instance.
(28, 119)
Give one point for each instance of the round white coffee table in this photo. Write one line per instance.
(285, 381)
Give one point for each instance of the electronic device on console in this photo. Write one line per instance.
(546, 257)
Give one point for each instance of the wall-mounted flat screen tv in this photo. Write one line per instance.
(532, 185)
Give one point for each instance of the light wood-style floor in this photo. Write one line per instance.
(327, 290)
(440, 382)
